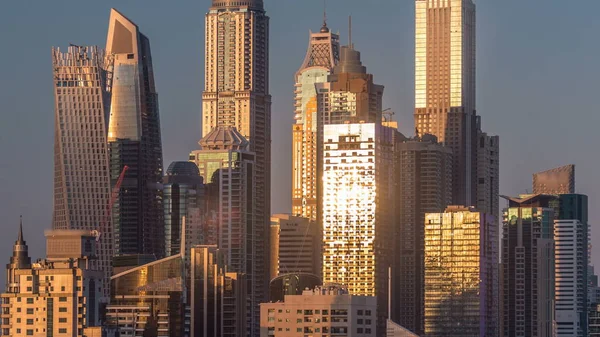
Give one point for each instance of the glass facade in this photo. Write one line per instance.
(149, 298)
(461, 274)
(135, 141)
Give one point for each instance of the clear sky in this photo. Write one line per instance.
(537, 85)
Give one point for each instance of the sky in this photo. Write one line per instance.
(537, 86)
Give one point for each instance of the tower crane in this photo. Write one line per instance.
(111, 202)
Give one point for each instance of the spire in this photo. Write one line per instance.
(324, 29)
(20, 238)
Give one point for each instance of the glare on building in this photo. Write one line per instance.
(461, 273)
(357, 209)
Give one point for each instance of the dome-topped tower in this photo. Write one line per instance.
(224, 137)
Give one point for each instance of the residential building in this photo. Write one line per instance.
(424, 185)
(291, 284)
(321, 57)
(461, 274)
(571, 265)
(326, 311)
(528, 266)
(134, 141)
(357, 210)
(560, 180)
(59, 295)
(236, 94)
(149, 300)
(183, 191)
(82, 91)
(295, 245)
(218, 298)
(445, 96)
(229, 169)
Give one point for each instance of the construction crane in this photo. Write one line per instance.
(111, 202)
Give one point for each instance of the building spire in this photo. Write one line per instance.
(350, 45)
(20, 238)
(324, 29)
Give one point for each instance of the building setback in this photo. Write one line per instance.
(326, 311)
(461, 274)
(528, 266)
(295, 245)
(134, 140)
(423, 185)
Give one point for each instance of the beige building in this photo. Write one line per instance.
(326, 311)
(57, 296)
(321, 57)
(295, 245)
(236, 94)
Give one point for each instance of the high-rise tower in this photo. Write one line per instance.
(236, 94)
(445, 85)
(82, 91)
(321, 57)
(134, 141)
(19, 260)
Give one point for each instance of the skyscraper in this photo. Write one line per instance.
(488, 173)
(295, 245)
(528, 266)
(230, 172)
(445, 93)
(236, 94)
(423, 180)
(357, 207)
(183, 194)
(461, 274)
(560, 180)
(82, 91)
(572, 265)
(321, 57)
(134, 141)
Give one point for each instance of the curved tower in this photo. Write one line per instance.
(134, 141)
(321, 57)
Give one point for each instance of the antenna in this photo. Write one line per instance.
(324, 13)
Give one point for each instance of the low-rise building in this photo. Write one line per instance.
(324, 311)
(56, 296)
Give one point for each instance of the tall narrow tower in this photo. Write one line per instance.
(236, 94)
(445, 85)
(82, 88)
(134, 141)
(19, 260)
(321, 57)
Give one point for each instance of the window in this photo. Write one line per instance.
(30, 332)
(30, 311)
(63, 330)
(62, 309)
(29, 321)
(62, 299)
(30, 301)
(62, 320)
